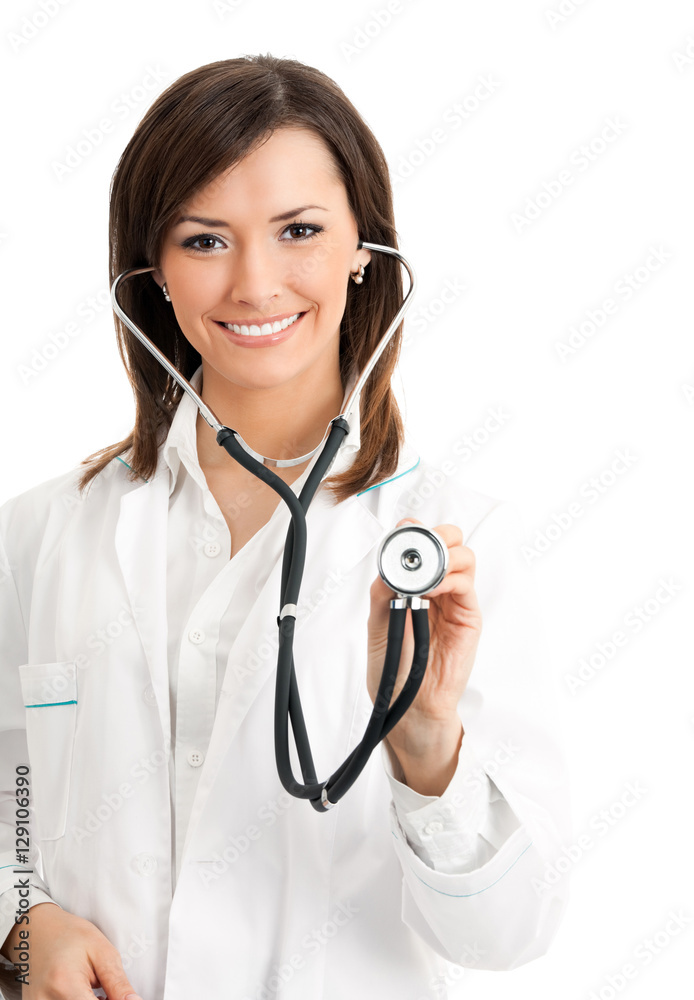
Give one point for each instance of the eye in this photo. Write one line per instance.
(206, 239)
(301, 232)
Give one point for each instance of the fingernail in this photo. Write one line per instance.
(132, 996)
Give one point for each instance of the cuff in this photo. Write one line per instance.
(446, 832)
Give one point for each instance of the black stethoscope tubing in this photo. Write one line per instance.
(324, 794)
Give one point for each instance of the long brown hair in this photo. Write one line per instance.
(205, 122)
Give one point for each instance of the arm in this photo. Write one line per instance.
(474, 857)
(14, 779)
(67, 954)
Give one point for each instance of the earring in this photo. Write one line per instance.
(357, 276)
(165, 290)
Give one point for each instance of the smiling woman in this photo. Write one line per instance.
(280, 140)
(249, 212)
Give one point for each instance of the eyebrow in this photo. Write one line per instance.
(220, 222)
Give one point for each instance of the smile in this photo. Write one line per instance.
(263, 330)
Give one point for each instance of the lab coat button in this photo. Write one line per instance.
(434, 827)
(212, 549)
(145, 864)
(196, 636)
(195, 758)
(149, 695)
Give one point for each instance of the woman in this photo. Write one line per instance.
(141, 599)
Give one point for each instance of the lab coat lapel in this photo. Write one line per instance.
(141, 542)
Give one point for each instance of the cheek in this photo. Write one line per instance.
(326, 286)
(193, 294)
(187, 304)
(193, 286)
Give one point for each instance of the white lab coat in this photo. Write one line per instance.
(273, 899)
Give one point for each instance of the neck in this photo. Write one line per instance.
(281, 422)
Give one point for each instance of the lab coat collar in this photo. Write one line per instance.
(180, 446)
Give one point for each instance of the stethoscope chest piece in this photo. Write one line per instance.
(412, 560)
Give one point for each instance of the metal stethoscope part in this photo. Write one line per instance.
(206, 412)
(412, 561)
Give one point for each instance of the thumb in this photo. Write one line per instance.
(112, 978)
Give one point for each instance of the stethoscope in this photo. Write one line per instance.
(412, 560)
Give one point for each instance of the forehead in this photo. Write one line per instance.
(291, 163)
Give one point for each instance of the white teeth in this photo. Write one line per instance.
(265, 329)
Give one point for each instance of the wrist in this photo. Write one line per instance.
(429, 758)
(418, 738)
(13, 939)
(10, 941)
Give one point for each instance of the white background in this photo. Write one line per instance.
(536, 81)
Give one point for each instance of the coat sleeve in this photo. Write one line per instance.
(476, 861)
(455, 832)
(13, 755)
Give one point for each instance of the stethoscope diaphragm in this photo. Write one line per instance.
(412, 560)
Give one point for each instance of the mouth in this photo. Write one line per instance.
(261, 329)
(262, 334)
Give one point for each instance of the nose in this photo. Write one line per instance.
(254, 279)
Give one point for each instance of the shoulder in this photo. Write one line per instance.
(426, 493)
(41, 514)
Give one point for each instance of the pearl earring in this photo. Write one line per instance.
(357, 276)
(165, 290)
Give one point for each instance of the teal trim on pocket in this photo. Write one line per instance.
(50, 740)
(50, 704)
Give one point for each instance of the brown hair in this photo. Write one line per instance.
(206, 121)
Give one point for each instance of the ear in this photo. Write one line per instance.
(361, 257)
(158, 277)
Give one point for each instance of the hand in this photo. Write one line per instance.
(68, 957)
(427, 739)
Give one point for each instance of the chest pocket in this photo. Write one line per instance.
(50, 700)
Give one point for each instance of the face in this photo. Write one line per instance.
(258, 263)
